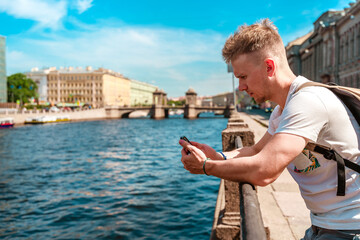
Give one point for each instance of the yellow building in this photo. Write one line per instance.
(98, 88)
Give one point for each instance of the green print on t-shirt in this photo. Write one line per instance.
(315, 163)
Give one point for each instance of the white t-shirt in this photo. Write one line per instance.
(317, 114)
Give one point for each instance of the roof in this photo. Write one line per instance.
(299, 40)
(191, 90)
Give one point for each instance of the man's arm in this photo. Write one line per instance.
(241, 152)
(260, 169)
(249, 151)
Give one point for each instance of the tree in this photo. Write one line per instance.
(176, 103)
(19, 87)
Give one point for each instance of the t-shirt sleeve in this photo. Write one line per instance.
(273, 120)
(304, 115)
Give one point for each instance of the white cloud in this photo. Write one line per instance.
(155, 48)
(173, 58)
(83, 5)
(18, 61)
(45, 13)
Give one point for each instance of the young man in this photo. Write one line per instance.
(313, 114)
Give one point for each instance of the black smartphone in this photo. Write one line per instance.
(187, 140)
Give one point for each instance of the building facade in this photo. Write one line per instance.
(242, 99)
(223, 99)
(348, 28)
(141, 93)
(331, 52)
(39, 76)
(3, 78)
(98, 88)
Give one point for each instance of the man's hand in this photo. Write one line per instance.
(195, 160)
(207, 150)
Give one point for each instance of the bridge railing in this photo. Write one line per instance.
(237, 212)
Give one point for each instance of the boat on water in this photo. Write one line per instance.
(6, 122)
(47, 119)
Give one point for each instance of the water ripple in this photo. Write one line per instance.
(114, 179)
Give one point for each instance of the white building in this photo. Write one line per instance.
(40, 78)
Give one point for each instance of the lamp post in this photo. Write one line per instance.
(230, 69)
(12, 93)
(21, 102)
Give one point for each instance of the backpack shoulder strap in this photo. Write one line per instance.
(349, 96)
(353, 91)
(331, 154)
(311, 83)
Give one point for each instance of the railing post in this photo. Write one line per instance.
(229, 111)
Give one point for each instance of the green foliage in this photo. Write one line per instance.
(253, 102)
(176, 103)
(19, 87)
(31, 106)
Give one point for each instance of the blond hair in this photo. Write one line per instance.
(262, 35)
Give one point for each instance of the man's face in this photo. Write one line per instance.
(252, 76)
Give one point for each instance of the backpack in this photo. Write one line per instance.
(351, 98)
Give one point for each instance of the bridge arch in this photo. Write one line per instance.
(127, 114)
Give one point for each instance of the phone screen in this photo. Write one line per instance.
(187, 140)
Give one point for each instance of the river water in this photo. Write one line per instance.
(111, 179)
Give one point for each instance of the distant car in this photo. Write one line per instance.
(54, 109)
(269, 110)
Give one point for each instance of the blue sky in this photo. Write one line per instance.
(171, 44)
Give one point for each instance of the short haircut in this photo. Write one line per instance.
(259, 36)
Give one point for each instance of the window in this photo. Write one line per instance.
(341, 51)
(351, 45)
(346, 57)
(358, 41)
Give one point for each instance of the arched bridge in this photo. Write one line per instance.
(160, 109)
(157, 111)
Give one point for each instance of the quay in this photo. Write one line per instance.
(155, 112)
(158, 110)
(275, 212)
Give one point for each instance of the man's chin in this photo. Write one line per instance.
(259, 101)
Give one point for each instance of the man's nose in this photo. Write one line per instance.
(242, 86)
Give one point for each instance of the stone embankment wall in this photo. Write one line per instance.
(82, 115)
(237, 211)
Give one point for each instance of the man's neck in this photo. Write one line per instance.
(284, 83)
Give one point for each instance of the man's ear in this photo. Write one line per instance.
(270, 66)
